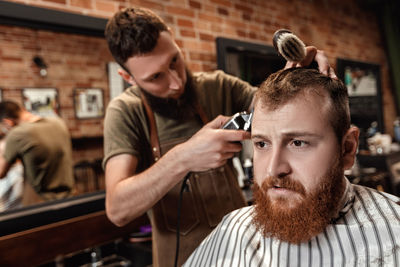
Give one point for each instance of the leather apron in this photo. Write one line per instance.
(210, 195)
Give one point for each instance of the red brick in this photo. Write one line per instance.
(188, 33)
(210, 8)
(226, 3)
(246, 16)
(180, 11)
(253, 35)
(202, 56)
(203, 25)
(207, 46)
(223, 11)
(189, 44)
(194, 4)
(206, 37)
(241, 33)
(255, 27)
(82, 3)
(244, 8)
(185, 23)
(216, 28)
(151, 5)
(210, 18)
(236, 24)
(11, 59)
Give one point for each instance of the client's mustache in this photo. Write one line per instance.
(286, 182)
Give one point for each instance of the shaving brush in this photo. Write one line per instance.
(289, 46)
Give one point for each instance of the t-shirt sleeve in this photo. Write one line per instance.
(12, 147)
(224, 94)
(123, 130)
(242, 92)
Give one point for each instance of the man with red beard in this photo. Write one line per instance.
(306, 212)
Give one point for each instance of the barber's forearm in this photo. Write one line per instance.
(133, 196)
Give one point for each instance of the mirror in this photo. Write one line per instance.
(76, 55)
(363, 82)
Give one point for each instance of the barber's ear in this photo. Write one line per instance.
(349, 147)
(126, 76)
(9, 122)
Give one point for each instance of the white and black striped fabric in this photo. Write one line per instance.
(12, 187)
(367, 233)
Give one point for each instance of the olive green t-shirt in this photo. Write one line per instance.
(45, 150)
(126, 129)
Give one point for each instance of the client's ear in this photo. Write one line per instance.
(349, 147)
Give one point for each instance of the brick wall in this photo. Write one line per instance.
(341, 28)
(74, 61)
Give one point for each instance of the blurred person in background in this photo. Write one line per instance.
(43, 145)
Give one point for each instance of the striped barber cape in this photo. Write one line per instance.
(367, 233)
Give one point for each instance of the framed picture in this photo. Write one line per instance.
(363, 84)
(115, 82)
(88, 103)
(41, 101)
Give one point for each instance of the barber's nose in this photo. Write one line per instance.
(175, 82)
(278, 165)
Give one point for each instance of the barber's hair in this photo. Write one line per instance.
(9, 110)
(285, 85)
(133, 31)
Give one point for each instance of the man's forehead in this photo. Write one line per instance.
(300, 114)
(309, 96)
(149, 63)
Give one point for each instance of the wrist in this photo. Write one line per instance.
(177, 156)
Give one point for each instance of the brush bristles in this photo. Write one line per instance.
(289, 46)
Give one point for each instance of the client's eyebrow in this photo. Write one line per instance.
(302, 134)
(290, 135)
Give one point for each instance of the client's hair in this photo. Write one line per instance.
(284, 85)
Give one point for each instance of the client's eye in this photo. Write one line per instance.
(299, 143)
(261, 144)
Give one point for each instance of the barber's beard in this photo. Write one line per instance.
(278, 218)
(175, 108)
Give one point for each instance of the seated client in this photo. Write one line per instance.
(306, 212)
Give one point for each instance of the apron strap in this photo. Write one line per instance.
(154, 142)
(201, 113)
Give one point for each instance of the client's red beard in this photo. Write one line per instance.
(310, 216)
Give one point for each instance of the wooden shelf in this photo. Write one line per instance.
(42, 244)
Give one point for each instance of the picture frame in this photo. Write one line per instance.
(116, 83)
(363, 82)
(88, 103)
(41, 101)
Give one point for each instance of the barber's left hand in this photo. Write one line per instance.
(312, 53)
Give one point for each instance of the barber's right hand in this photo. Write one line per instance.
(212, 146)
